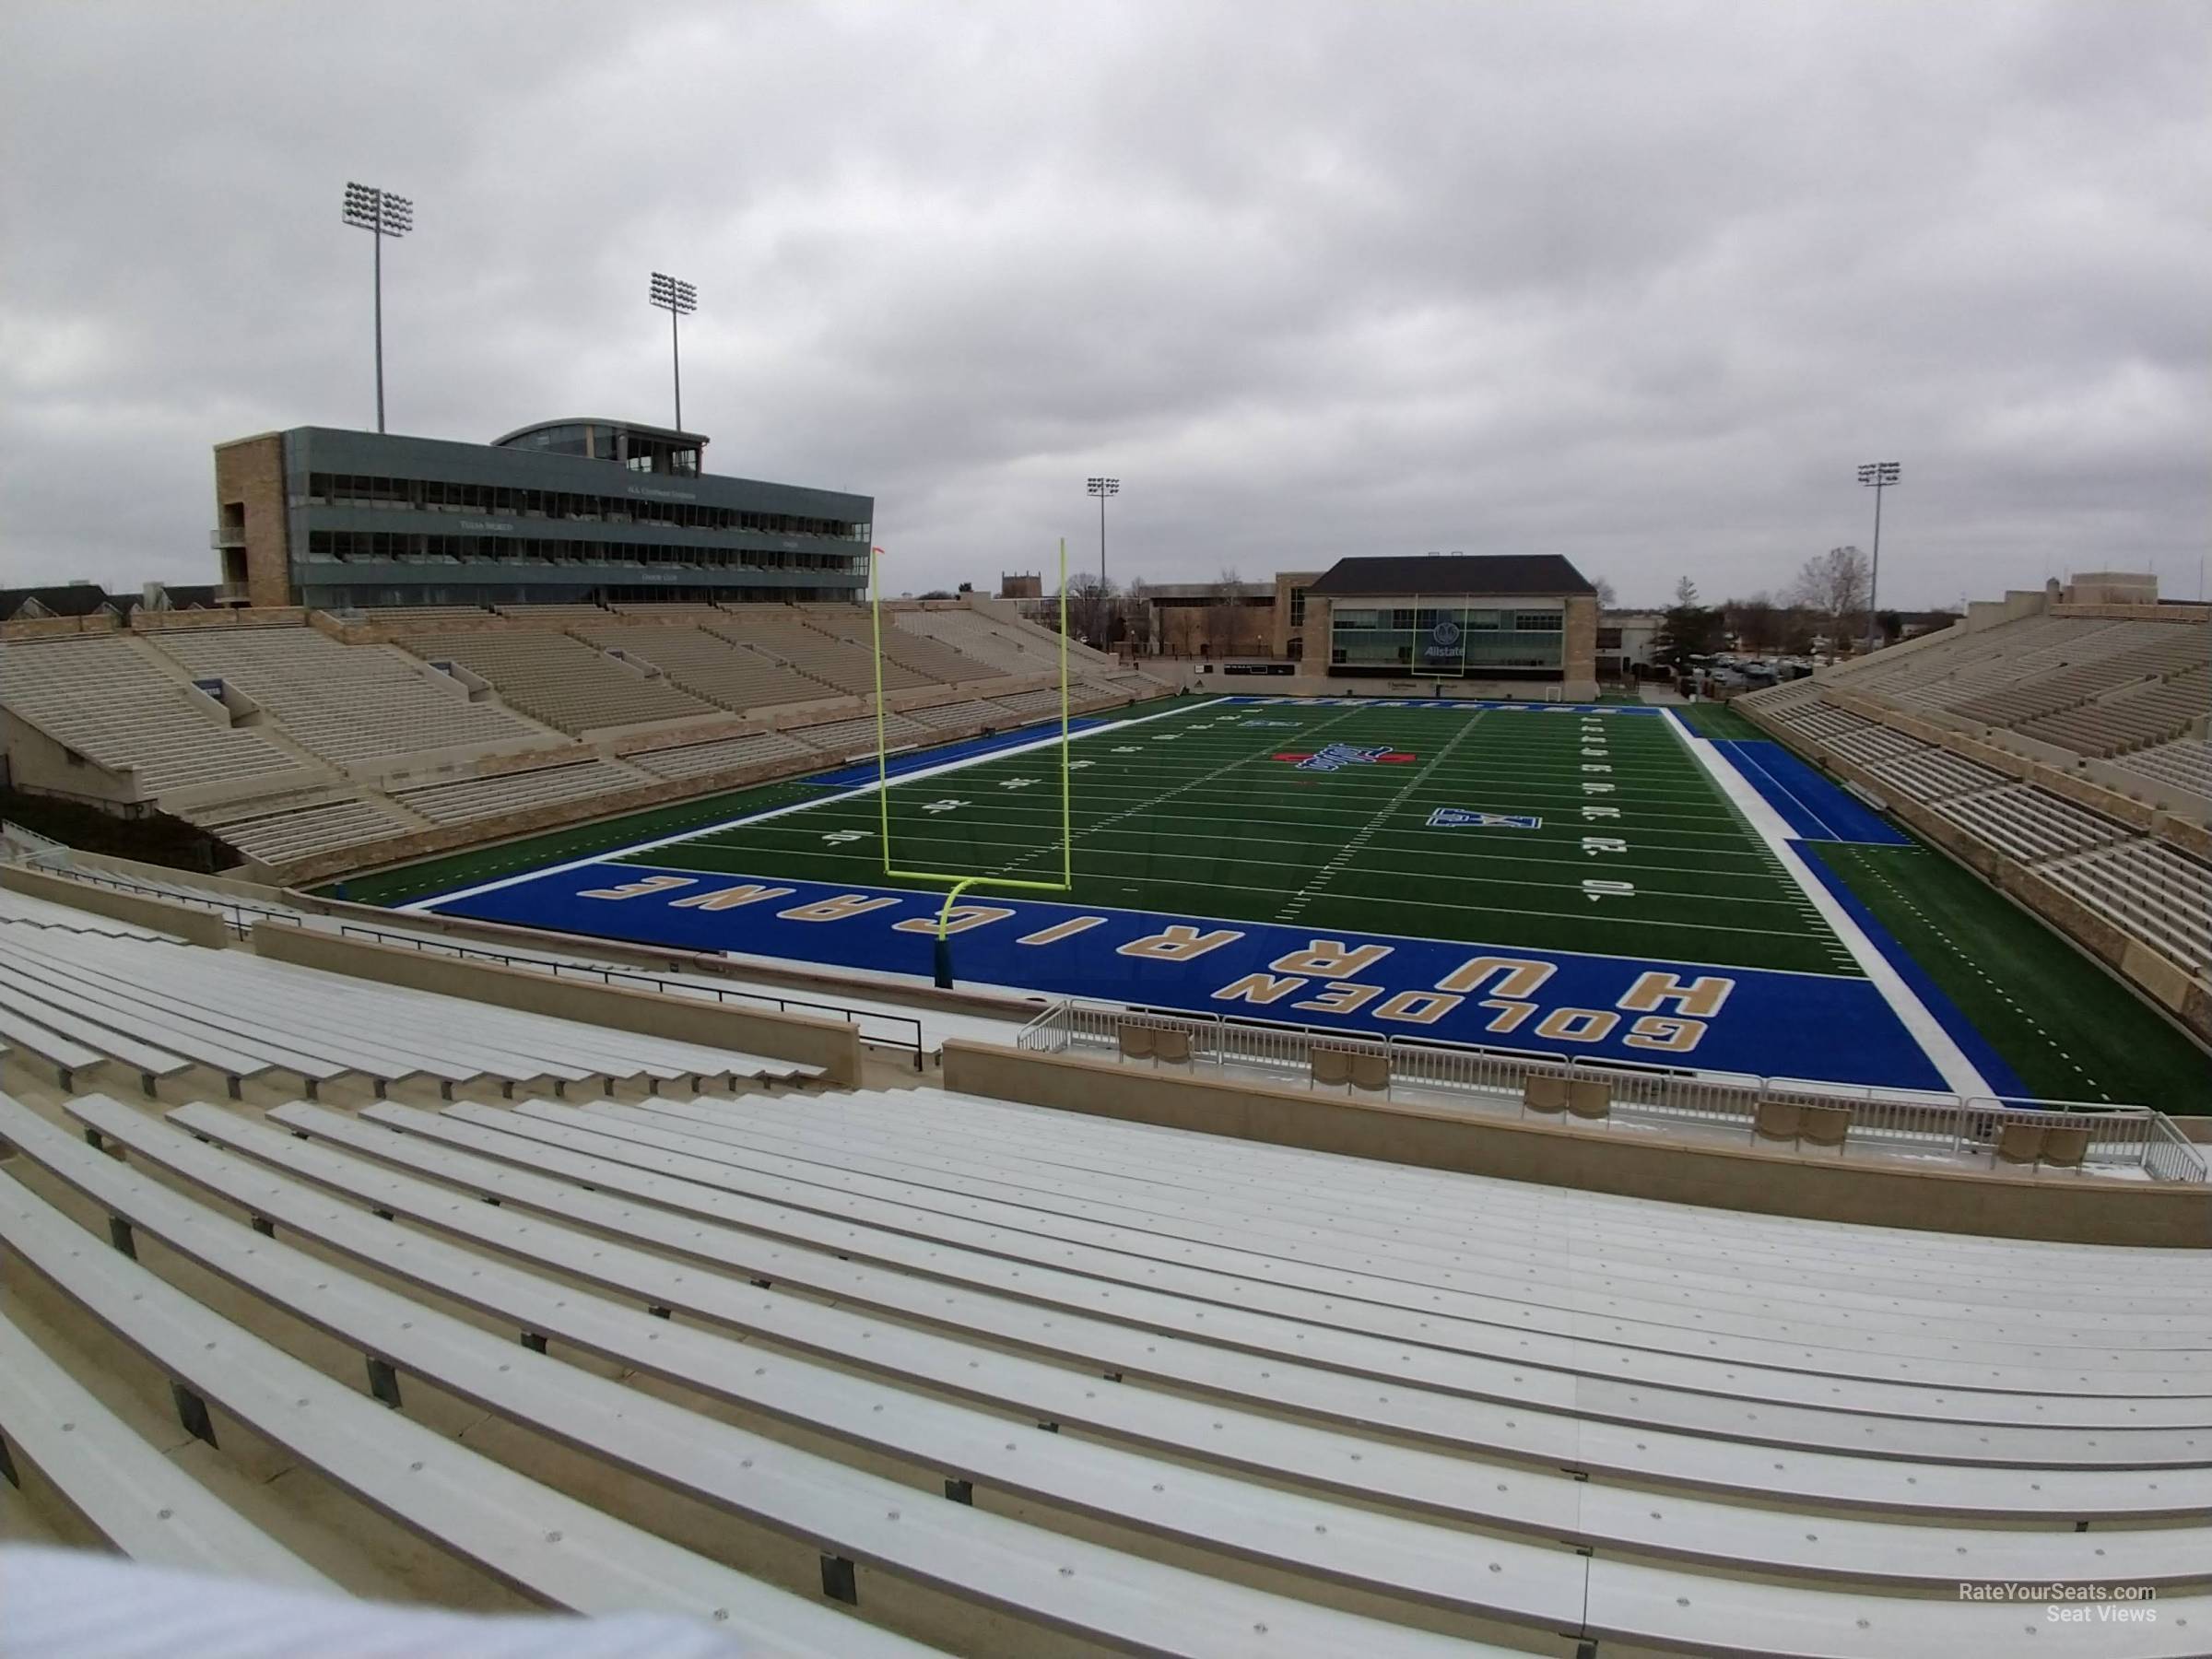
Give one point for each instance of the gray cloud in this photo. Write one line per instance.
(1635, 283)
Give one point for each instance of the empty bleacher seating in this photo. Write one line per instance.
(932, 659)
(2153, 891)
(503, 792)
(107, 699)
(559, 680)
(2030, 823)
(1934, 774)
(736, 677)
(346, 703)
(786, 634)
(2150, 712)
(2185, 763)
(1011, 651)
(854, 736)
(940, 1281)
(967, 713)
(243, 1016)
(295, 832)
(722, 754)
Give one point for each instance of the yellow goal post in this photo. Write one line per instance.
(961, 880)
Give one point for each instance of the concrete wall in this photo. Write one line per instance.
(1595, 1159)
(194, 926)
(830, 1045)
(41, 764)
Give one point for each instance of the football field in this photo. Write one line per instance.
(1559, 879)
(1508, 825)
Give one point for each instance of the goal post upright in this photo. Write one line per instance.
(961, 881)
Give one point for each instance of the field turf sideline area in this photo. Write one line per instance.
(1553, 877)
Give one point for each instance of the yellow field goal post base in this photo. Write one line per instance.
(961, 881)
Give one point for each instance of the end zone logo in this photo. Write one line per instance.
(1339, 755)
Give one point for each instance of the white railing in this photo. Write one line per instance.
(1902, 1122)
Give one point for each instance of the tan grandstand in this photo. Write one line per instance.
(318, 745)
(2061, 750)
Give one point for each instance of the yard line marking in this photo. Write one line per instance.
(1204, 777)
(1299, 899)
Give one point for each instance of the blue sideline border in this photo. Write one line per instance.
(1995, 1069)
(1812, 806)
(1772, 1024)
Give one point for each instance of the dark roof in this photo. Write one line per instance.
(62, 599)
(83, 598)
(1507, 575)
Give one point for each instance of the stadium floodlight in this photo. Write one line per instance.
(678, 299)
(1877, 476)
(1102, 487)
(381, 214)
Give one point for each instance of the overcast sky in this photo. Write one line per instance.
(1635, 283)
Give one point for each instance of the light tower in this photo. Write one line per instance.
(381, 214)
(678, 299)
(1102, 487)
(1877, 476)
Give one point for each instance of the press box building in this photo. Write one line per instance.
(1517, 620)
(571, 511)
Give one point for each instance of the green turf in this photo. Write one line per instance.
(1192, 813)
(407, 882)
(1718, 719)
(2068, 1028)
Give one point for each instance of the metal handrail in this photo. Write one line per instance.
(687, 988)
(1956, 1125)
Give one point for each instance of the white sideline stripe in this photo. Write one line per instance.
(1948, 1059)
(863, 790)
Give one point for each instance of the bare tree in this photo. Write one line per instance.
(1607, 599)
(1755, 622)
(1834, 587)
(1137, 617)
(1090, 610)
(1224, 625)
(1686, 594)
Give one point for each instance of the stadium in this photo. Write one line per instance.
(882, 1128)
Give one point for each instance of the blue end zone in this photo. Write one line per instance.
(2000, 1077)
(863, 772)
(1812, 806)
(1800, 1025)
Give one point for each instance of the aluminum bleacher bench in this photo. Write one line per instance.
(1541, 1504)
(1371, 1304)
(72, 1044)
(1622, 1426)
(542, 1543)
(216, 1040)
(122, 1487)
(854, 1518)
(67, 1057)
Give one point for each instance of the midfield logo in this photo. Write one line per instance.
(1464, 818)
(1339, 755)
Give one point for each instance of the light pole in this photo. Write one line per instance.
(1877, 476)
(381, 214)
(678, 299)
(1102, 487)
